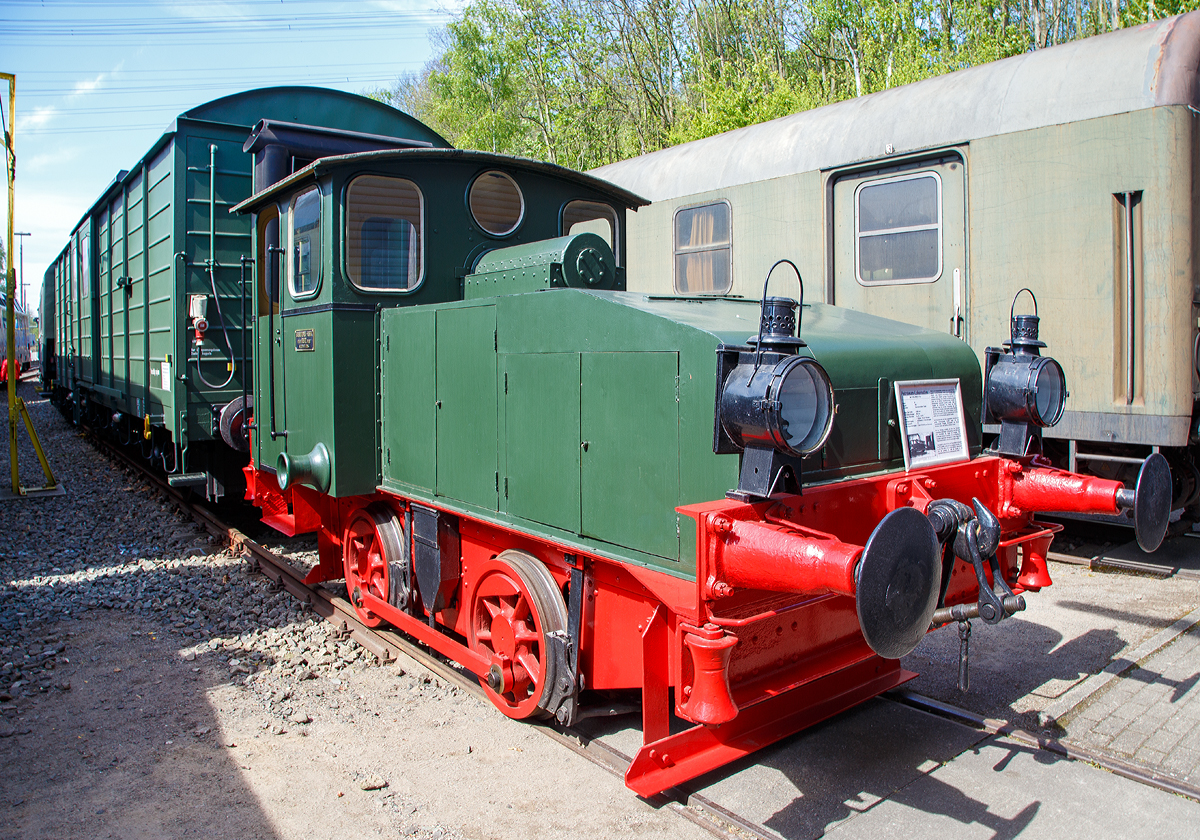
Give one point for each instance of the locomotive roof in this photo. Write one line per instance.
(1127, 70)
(317, 167)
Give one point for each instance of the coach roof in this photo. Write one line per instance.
(1128, 70)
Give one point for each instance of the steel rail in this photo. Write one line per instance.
(1048, 743)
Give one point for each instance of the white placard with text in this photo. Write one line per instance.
(932, 424)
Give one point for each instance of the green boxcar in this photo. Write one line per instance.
(159, 235)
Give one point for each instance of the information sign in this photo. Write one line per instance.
(932, 424)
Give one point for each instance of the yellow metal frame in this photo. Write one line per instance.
(16, 406)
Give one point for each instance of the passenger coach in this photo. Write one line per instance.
(1069, 170)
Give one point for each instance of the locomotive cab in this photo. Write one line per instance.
(350, 236)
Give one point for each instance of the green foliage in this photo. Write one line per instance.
(587, 82)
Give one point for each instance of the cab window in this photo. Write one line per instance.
(702, 250)
(898, 230)
(383, 234)
(591, 217)
(305, 264)
(496, 203)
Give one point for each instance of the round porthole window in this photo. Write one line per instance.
(496, 203)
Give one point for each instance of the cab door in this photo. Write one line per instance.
(900, 242)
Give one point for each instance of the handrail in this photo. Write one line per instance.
(1130, 300)
(272, 249)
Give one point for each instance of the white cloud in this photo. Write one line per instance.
(206, 11)
(87, 86)
(410, 6)
(38, 118)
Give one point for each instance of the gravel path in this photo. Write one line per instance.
(152, 685)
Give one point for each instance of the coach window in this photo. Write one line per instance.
(702, 252)
(305, 269)
(591, 217)
(496, 203)
(898, 229)
(383, 234)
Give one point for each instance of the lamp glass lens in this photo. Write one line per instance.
(803, 407)
(1049, 392)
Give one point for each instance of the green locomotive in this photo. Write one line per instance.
(572, 489)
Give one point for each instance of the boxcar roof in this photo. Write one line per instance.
(296, 103)
(1127, 70)
(314, 106)
(317, 167)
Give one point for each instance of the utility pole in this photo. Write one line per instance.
(24, 303)
(16, 406)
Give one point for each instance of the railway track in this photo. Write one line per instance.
(387, 645)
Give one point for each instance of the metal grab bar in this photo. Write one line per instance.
(245, 373)
(272, 249)
(1130, 300)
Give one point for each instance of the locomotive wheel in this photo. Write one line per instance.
(375, 560)
(514, 606)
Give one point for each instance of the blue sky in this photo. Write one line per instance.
(99, 82)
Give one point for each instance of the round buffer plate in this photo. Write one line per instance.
(899, 576)
(1152, 502)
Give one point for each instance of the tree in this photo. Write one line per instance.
(586, 82)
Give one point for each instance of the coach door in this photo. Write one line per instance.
(899, 243)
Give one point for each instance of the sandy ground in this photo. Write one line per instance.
(146, 744)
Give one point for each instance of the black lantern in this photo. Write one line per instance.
(1023, 391)
(773, 405)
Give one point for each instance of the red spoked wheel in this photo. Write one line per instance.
(375, 560)
(514, 606)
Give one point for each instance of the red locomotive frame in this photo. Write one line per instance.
(763, 643)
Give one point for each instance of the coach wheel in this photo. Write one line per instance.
(514, 606)
(375, 561)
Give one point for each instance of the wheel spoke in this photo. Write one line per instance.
(523, 632)
(520, 609)
(493, 608)
(530, 664)
(520, 690)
